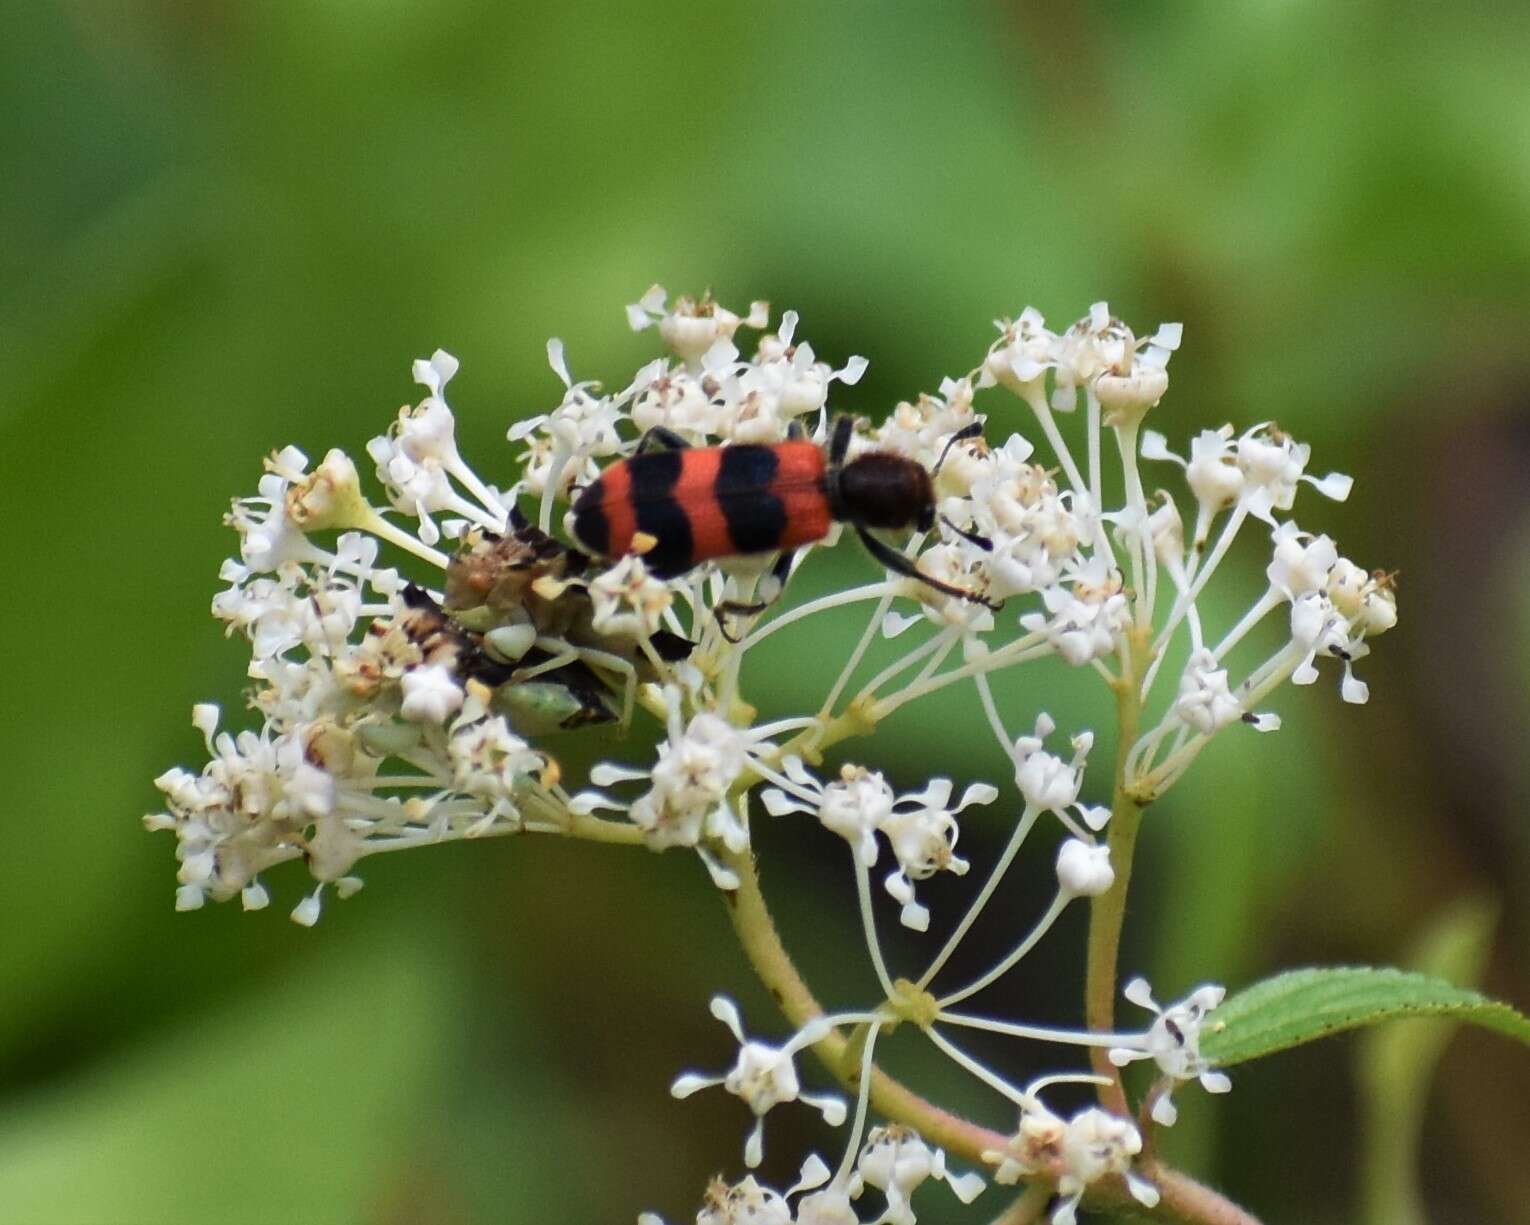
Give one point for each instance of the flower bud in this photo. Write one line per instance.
(1126, 398)
(1084, 870)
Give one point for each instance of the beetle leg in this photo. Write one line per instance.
(735, 608)
(660, 438)
(777, 576)
(839, 442)
(780, 572)
(898, 564)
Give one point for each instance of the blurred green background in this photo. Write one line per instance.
(226, 227)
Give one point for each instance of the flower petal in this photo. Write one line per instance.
(1139, 993)
(726, 1011)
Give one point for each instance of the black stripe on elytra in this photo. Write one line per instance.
(756, 517)
(591, 527)
(659, 514)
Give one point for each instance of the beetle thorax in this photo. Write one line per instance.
(882, 490)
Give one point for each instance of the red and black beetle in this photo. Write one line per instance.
(699, 503)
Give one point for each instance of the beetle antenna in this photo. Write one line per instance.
(899, 564)
(970, 430)
(971, 537)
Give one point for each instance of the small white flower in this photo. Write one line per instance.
(690, 784)
(1301, 561)
(1128, 375)
(1045, 780)
(1098, 1144)
(681, 401)
(744, 1203)
(1085, 614)
(307, 789)
(1083, 870)
(920, 828)
(1166, 530)
(923, 833)
(417, 458)
(748, 1203)
(896, 1161)
(1315, 623)
(1021, 357)
(329, 497)
(1034, 530)
(860, 803)
(1273, 463)
(429, 430)
(785, 381)
(689, 801)
(1035, 1148)
(490, 763)
(565, 442)
(261, 800)
(418, 489)
(1138, 379)
(1205, 700)
(629, 602)
(1318, 629)
(855, 806)
(306, 912)
(1173, 1042)
(268, 536)
(831, 1206)
(431, 694)
(1095, 343)
(546, 469)
(919, 430)
(1126, 398)
(969, 461)
(964, 567)
(1367, 601)
(763, 1077)
(1050, 784)
(691, 327)
(1212, 472)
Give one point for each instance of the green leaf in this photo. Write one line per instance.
(1304, 1005)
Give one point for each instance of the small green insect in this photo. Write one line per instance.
(562, 700)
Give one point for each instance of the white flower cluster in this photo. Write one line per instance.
(1073, 1153)
(894, 1161)
(417, 701)
(381, 729)
(920, 828)
(708, 394)
(690, 800)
